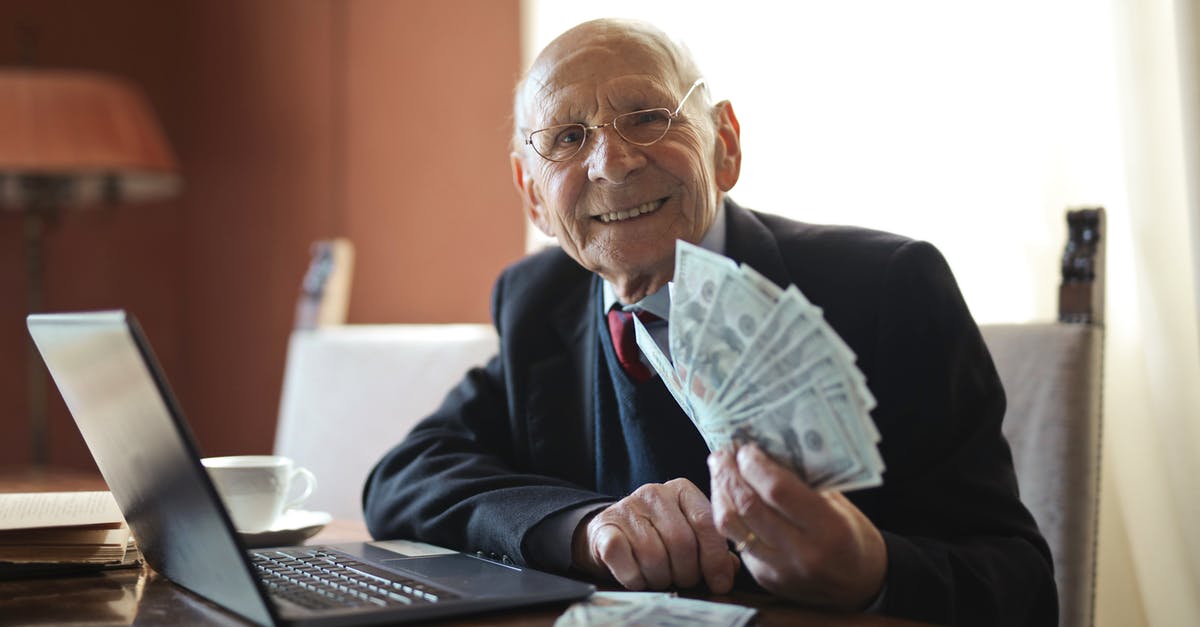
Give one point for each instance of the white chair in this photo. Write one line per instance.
(351, 392)
(1052, 377)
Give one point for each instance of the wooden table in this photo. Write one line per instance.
(124, 597)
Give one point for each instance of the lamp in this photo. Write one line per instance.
(72, 139)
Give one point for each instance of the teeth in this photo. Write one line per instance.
(617, 216)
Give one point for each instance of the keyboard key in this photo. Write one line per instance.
(318, 579)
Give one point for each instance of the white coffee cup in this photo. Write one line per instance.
(256, 488)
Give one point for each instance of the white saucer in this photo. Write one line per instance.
(294, 527)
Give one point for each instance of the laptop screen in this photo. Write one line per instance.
(120, 399)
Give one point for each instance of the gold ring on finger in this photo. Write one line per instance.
(746, 542)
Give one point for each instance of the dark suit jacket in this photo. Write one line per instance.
(513, 443)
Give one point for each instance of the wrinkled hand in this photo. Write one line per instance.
(809, 546)
(660, 536)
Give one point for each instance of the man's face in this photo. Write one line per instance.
(617, 208)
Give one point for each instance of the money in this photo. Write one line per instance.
(698, 275)
(652, 609)
(751, 362)
(734, 317)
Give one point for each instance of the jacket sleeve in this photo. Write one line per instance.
(962, 549)
(462, 479)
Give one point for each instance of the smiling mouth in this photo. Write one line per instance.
(640, 210)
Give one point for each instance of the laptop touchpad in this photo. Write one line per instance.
(470, 575)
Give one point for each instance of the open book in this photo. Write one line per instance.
(63, 528)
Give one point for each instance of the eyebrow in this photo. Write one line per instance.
(624, 101)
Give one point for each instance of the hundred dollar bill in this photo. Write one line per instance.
(830, 390)
(733, 321)
(791, 317)
(681, 612)
(806, 347)
(812, 320)
(845, 404)
(798, 365)
(751, 361)
(648, 609)
(698, 274)
(608, 608)
(801, 432)
(867, 467)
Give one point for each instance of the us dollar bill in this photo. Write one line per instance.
(801, 431)
(737, 312)
(751, 361)
(652, 609)
(698, 275)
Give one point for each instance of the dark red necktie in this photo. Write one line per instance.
(620, 327)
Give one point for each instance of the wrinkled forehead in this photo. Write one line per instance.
(581, 75)
(594, 101)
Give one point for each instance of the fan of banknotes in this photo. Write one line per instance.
(751, 362)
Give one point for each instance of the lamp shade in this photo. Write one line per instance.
(93, 137)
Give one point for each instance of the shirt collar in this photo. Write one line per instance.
(659, 303)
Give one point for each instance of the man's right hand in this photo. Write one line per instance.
(661, 536)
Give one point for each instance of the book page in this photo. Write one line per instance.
(34, 510)
(65, 536)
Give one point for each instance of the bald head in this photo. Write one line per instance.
(660, 54)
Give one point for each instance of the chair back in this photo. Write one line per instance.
(325, 291)
(1052, 376)
(352, 392)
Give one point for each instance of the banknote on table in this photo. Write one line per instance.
(749, 361)
(652, 609)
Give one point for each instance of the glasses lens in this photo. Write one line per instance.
(559, 143)
(643, 127)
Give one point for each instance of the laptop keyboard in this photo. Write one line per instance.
(318, 579)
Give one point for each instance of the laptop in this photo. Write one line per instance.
(120, 399)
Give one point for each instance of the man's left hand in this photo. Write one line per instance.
(809, 546)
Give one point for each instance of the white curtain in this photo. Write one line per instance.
(974, 125)
(1152, 381)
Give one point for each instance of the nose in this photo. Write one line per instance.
(612, 159)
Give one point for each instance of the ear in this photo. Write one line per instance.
(527, 190)
(728, 157)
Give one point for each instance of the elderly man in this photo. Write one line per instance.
(562, 455)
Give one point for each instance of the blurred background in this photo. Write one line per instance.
(973, 125)
(382, 122)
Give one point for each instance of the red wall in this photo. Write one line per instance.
(292, 122)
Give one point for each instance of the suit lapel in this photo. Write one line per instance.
(747, 240)
(561, 416)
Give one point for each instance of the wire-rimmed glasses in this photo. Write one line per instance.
(643, 128)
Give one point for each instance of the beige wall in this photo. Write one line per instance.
(292, 122)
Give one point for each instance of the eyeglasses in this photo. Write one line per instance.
(643, 128)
